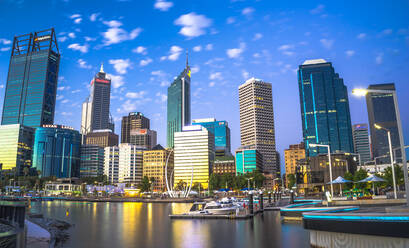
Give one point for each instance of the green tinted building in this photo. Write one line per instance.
(16, 142)
(248, 160)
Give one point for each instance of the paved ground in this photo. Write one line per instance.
(37, 237)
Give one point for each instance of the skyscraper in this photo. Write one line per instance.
(32, 80)
(95, 110)
(381, 111)
(291, 156)
(221, 132)
(324, 108)
(361, 142)
(257, 121)
(143, 138)
(248, 160)
(178, 113)
(102, 138)
(134, 120)
(92, 161)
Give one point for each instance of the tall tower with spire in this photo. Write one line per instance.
(178, 114)
(95, 110)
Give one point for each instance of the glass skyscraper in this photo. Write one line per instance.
(32, 80)
(221, 132)
(56, 151)
(178, 113)
(361, 142)
(324, 105)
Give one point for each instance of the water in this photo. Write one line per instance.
(132, 224)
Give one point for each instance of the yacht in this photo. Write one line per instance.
(222, 208)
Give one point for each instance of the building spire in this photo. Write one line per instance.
(102, 68)
(187, 58)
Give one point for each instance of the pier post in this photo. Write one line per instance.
(292, 197)
(269, 197)
(251, 203)
(261, 202)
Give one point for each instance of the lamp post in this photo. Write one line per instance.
(330, 166)
(363, 92)
(391, 156)
(376, 159)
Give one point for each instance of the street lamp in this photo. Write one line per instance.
(391, 156)
(330, 166)
(363, 92)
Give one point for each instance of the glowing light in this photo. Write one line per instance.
(359, 92)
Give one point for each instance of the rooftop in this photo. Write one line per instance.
(314, 61)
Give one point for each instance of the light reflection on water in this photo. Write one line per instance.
(133, 224)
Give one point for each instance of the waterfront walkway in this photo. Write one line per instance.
(37, 237)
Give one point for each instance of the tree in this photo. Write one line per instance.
(359, 175)
(348, 176)
(214, 182)
(398, 176)
(291, 180)
(145, 185)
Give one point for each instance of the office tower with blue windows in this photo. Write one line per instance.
(56, 151)
(324, 105)
(32, 80)
(178, 113)
(248, 160)
(221, 132)
(362, 146)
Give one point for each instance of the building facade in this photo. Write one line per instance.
(324, 106)
(154, 166)
(143, 138)
(134, 121)
(31, 87)
(224, 165)
(111, 164)
(257, 121)
(248, 160)
(102, 138)
(194, 153)
(130, 164)
(178, 109)
(291, 156)
(381, 111)
(92, 161)
(361, 142)
(56, 151)
(16, 143)
(221, 132)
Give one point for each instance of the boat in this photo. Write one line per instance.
(221, 208)
(198, 209)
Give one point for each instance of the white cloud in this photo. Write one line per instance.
(115, 34)
(83, 64)
(236, 52)
(230, 20)
(78, 20)
(162, 97)
(361, 36)
(127, 106)
(247, 11)
(145, 62)
(194, 69)
(135, 95)
(162, 5)
(164, 83)
(74, 16)
(216, 75)
(327, 43)
(65, 101)
(174, 53)
(211, 84)
(120, 65)
(93, 17)
(317, 10)
(257, 36)
(140, 50)
(209, 47)
(193, 25)
(288, 53)
(1, 86)
(379, 59)
(349, 53)
(5, 41)
(285, 47)
(62, 38)
(75, 91)
(117, 80)
(197, 48)
(66, 113)
(4, 49)
(256, 55)
(71, 35)
(245, 74)
(387, 31)
(78, 47)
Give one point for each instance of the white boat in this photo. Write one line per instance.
(219, 208)
(198, 209)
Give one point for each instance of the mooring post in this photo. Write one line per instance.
(261, 202)
(292, 197)
(269, 197)
(251, 203)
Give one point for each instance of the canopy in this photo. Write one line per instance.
(246, 189)
(340, 180)
(224, 190)
(372, 178)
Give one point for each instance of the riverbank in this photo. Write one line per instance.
(46, 232)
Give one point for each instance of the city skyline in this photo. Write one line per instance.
(219, 68)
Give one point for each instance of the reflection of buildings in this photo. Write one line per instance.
(194, 148)
(313, 173)
(102, 138)
(92, 161)
(154, 163)
(221, 132)
(16, 142)
(248, 160)
(224, 165)
(291, 156)
(361, 142)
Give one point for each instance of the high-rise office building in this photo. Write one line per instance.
(130, 164)
(143, 138)
(154, 165)
(257, 121)
(361, 142)
(56, 151)
(178, 113)
(102, 138)
(248, 160)
(291, 156)
(134, 121)
(324, 106)
(95, 110)
(221, 132)
(381, 111)
(92, 161)
(111, 163)
(32, 80)
(194, 148)
(16, 142)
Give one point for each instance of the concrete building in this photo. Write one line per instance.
(144, 138)
(291, 156)
(248, 160)
(361, 142)
(134, 121)
(221, 132)
(102, 138)
(224, 165)
(92, 161)
(257, 121)
(16, 143)
(111, 164)
(130, 164)
(154, 164)
(194, 148)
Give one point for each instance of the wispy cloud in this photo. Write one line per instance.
(115, 34)
(135, 95)
(379, 58)
(174, 53)
(216, 75)
(5, 41)
(257, 36)
(78, 47)
(145, 62)
(163, 5)
(236, 52)
(141, 50)
(327, 44)
(247, 11)
(120, 65)
(117, 80)
(83, 64)
(193, 25)
(197, 48)
(93, 17)
(349, 53)
(318, 10)
(361, 36)
(230, 20)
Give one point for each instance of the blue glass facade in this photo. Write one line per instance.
(56, 151)
(221, 132)
(32, 80)
(248, 160)
(324, 105)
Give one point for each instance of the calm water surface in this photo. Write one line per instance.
(148, 225)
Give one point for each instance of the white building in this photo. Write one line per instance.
(111, 163)
(194, 147)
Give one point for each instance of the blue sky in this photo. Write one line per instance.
(142, 45)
